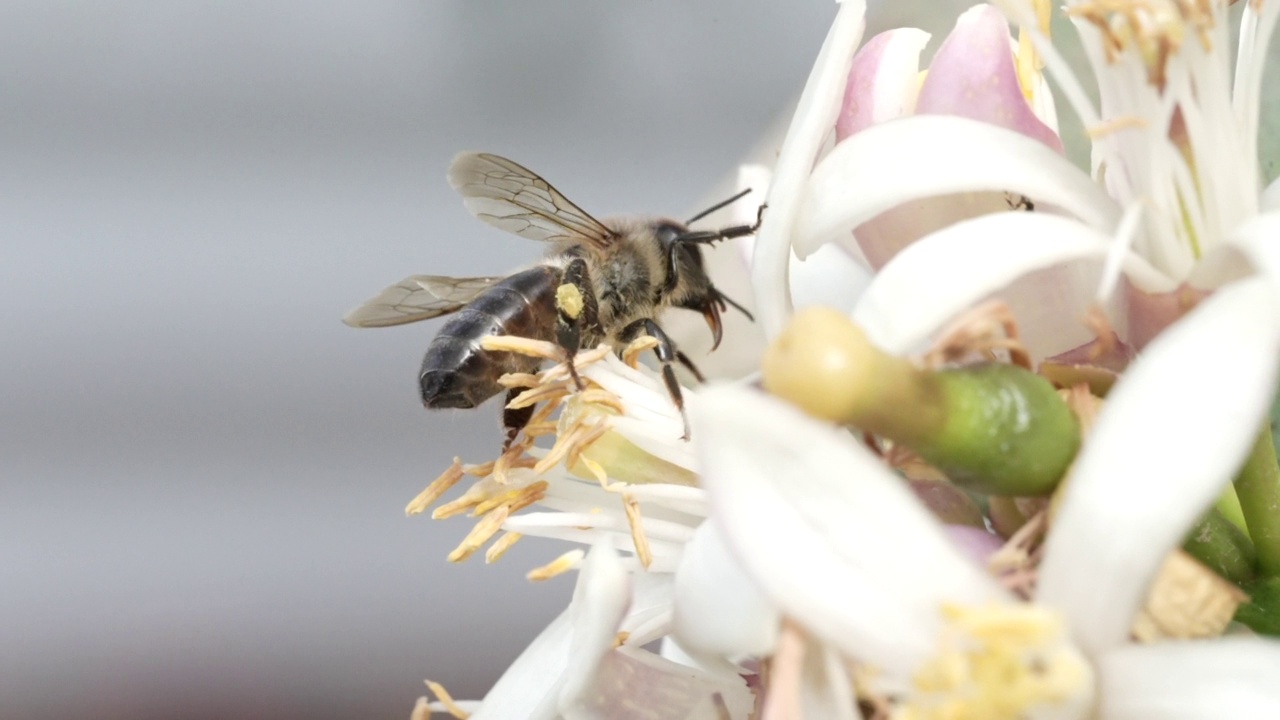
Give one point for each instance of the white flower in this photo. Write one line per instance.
(1175, 146)
(843, 549)
(619, 478)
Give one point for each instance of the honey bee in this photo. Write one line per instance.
(602, 281)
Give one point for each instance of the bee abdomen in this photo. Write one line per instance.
(457, 372)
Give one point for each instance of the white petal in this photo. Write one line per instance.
(835, 539)
(600, 600)
(929, 155)
(1171, 435)
(883, 80)
(927, 284)
(719, 609)
(634, 684)
(825, 690)
(1271, 197)
(530, 687)
(814, 118)
(1223, 678)
(1257, 240)
(828, 277)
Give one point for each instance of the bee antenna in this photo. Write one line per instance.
(717, 206)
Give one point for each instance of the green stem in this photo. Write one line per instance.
(1258, 487)
(1222, 546)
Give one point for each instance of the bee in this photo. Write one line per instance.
(602, 281)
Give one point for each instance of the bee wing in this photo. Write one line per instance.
(512, 197)
(418, 297)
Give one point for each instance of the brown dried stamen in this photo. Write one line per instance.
(559, 566)
(436, 489)
(638, 538)
(501, 546)
(447, 700)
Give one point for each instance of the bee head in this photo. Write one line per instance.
(683, 256)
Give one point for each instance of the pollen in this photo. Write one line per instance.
(569, 300)
(999, 662)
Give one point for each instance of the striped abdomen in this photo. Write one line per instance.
(456, 372)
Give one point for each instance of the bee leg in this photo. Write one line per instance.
(514, 420)
(667, 354)
(688, 364)
(576, 309)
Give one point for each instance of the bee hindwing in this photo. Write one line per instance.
(418, 297)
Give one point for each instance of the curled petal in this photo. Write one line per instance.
(883, 80)
(814, 117)
(878, 169)
(599, 603)
(942, 268)
(1172, 433)
(972, 75)
(827, 532)
(1228, 677)
(719, 609)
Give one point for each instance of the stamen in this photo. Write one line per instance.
(1001, 662)
(488, 526)
(447, 700)
(1115, 125)
(1153, 29)
(631, 354)
(501, 546)
(437, 488)
(522, 346)
(559, 566)
(516, 498)
(638, 538)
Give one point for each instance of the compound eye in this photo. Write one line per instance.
(668, 234)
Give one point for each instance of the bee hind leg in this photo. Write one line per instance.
(514, 419)
(576, 309)
(667, 356)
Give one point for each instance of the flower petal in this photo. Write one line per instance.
(531, 686)
(972, 75)
(719, 609)
(829, 534)
(600, 601)
(1224, 678)
(634, 684)
(1172, 433)
(929, 155)
(969, 261)
(814, 117)
(1271, 197)
(883, 80)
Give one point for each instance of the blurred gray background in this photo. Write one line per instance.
(202, 471)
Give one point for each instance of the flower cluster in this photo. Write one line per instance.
(1029, 475)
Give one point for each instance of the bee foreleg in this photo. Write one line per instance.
(735, 231)
(576, 309)
(514, 420)
(667, 354)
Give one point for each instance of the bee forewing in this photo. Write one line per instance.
(418, 297)
(512, 197)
